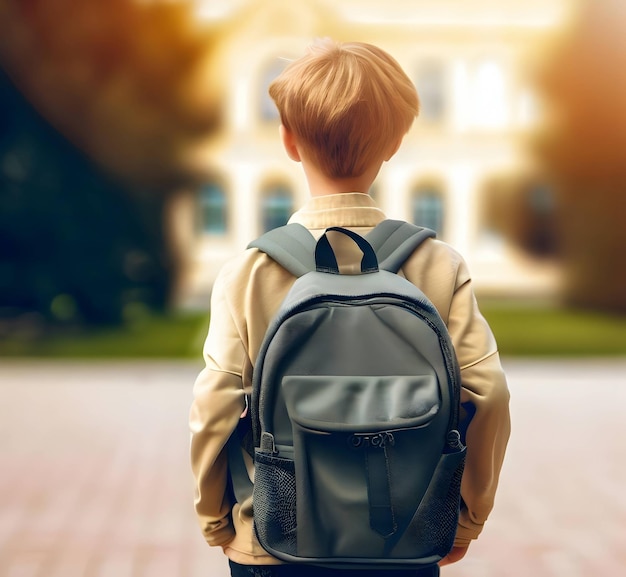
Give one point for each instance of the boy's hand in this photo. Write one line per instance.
(456, 554)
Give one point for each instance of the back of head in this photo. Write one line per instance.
(347, 103)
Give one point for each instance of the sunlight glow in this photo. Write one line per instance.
(211, 10)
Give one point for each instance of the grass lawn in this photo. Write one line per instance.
(555, 332)
(168, 336)
(521, 330)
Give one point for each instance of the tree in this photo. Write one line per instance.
(124, 81)
(583, 152)
(101, 104)
(73, 245)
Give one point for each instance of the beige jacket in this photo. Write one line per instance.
(246, 295)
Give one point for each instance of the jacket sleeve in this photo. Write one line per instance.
(216, 408)
(484, 386)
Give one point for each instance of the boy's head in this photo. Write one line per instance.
(347, 104)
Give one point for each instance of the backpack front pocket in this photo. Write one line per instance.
(361, 469)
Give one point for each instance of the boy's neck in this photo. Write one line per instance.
(322, 185)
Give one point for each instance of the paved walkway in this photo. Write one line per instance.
(94, 478)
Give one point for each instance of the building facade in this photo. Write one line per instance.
(469, 62)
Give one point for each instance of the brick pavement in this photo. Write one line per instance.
(94, 476)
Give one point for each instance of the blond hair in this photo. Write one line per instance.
(346, 103)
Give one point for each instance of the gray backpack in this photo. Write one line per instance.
(355, 408)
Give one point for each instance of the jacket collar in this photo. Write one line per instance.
(348, 209)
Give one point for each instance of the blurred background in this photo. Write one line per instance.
(139, 150)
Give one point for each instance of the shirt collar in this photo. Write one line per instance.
(348, 209)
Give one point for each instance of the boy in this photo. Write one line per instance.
(344, 109)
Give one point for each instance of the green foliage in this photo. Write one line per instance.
(99, 105)
(74, 245)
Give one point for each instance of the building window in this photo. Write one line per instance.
(542, 237)
(268, 110)
(276, 207)
(489, 96)
(431, 88)
(427, 208)
(213, 209)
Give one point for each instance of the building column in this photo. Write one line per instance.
(244, 182)
(462, 213)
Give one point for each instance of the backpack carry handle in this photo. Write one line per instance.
(325, 260)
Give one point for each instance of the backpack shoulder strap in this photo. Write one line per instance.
(292, 246)
(395, 241)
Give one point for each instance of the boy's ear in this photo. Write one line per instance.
(289, 142)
